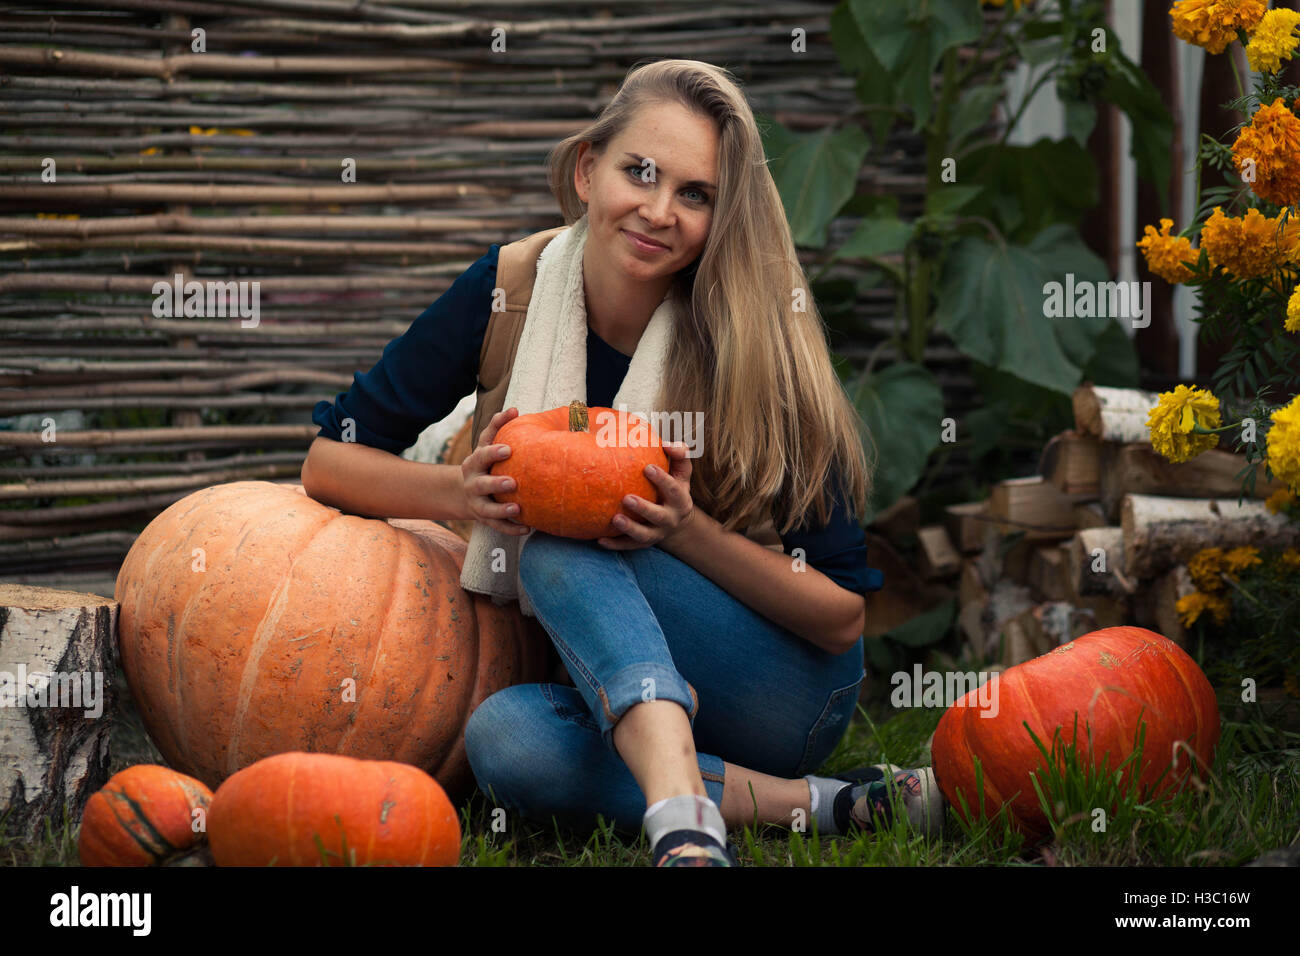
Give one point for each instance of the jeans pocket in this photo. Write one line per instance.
(830, 726)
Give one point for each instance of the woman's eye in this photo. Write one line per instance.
(637, 172)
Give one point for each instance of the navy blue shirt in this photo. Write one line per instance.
(399, 397)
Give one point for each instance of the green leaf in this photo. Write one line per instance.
(901, 406)
(992, 302)
(1028, 188)
(1153, 128)
(875, 237)
(815, 173)
(929, 627)
(874, 86)
(1080, 118)
(974, 109)
(909, 40)
(949, 197)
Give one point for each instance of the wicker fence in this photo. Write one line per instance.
(353, 158)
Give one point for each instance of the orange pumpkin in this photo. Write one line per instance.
(571, 481)
(299, 809)
(1107, 678)
(255, 620)
(144, 816)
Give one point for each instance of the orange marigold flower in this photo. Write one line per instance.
(1246, 247)
(1167, 255)
(1267, 154)
(1213, 24)
(1289, 559)
(1204, 568)
(1239, 559)
(1279, 500)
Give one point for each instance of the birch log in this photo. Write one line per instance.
(1162, 532)
(57, 654)
(1113, 414)
(1096, 562)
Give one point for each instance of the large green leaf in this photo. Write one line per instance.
(992, 302)
(876, 236)
(902, 407)
(1153, 128)
(974, 109)
(928, 627)
(910, 38)
(816, 174)
(1029, 187)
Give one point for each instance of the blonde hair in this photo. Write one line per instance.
(777, 420)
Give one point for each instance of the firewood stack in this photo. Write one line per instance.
(1100, 537)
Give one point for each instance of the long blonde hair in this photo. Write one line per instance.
(777, 420)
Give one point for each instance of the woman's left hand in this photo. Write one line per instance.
(655, 523)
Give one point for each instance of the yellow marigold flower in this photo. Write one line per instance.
(1289, 559)
(1292, 323)
(1272, 142)
(1172, 420)
(1213, 24)
(1239, 559)
(1284, 443)
(1204, 568)
(1192, 606)
(1273, 41)
(1166, 255)
(1017, 4)
(1246, 247)
(1279, 500)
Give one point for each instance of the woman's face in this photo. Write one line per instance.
(658, 179)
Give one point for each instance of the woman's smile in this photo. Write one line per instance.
(643, 243)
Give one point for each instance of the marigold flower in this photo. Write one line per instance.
(1284, 444)
(1245, 247)
(1239, 559)
(1204, 568)
(1289, 559)
(1167, 255)
(1192, 606)
(1016, 4)
(1292, 323)
(1273, 41)
(1172, 420)
(1278, 500)
(1272, 142)
(1213, 24)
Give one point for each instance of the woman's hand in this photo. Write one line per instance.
(481, 484)
(655, 523)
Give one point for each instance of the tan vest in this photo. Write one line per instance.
(516, 271)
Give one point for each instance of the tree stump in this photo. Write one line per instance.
(58, 652)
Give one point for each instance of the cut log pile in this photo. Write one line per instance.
(1100, 537)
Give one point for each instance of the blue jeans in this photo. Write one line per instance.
(643, 625)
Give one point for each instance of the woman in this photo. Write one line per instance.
(680, 631)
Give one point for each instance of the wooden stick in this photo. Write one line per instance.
(196, 194)
(103, 438)
(266, 224)
(1162, 532)
(1113, 414)
(411, 253)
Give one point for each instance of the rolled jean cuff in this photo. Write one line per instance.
(640, 683)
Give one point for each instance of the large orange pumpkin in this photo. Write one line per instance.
(299, 809)
(255, 620)
(1107, 678)
(143, 816)
(570, 481)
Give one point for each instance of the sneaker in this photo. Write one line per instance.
(866, 803)
(692, 848)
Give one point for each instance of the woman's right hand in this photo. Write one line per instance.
(481, 484)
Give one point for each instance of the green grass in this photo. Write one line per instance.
(1242, 809)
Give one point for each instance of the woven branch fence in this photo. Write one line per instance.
(227, 165)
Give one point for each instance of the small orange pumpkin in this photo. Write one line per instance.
(144, 816)
(571, 481)
(301, 809)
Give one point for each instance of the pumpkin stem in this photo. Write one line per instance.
(577, 416)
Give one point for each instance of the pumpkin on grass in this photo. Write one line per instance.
(255, 620)
(570, 481)
(299, 809)
(1106, 680)
(143, 816)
